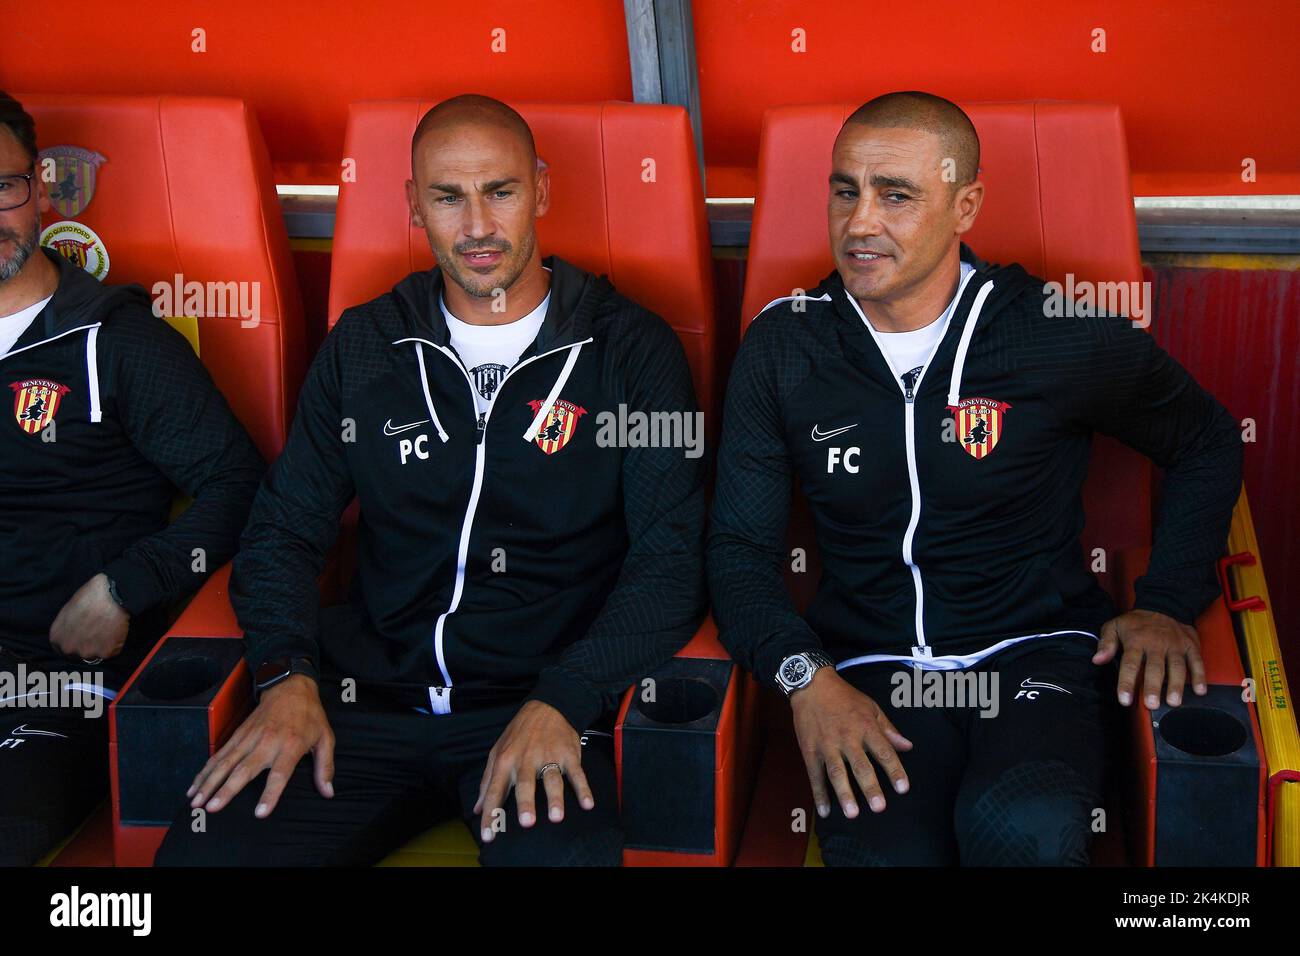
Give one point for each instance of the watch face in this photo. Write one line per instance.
(795, 670)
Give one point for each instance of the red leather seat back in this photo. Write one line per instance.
(1057, 201)
(626, 200)
(185, 188)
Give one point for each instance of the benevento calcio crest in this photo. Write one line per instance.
(73, 183)
(35, 402)
(559, 426)
(980, 423)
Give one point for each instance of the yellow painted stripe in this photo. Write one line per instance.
(311, 245)
(1273, 701)
(1245, 262)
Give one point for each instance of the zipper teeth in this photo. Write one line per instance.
(909, 432)
(467, 523)
(909, 437)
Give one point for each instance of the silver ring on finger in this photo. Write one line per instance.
(549, 766)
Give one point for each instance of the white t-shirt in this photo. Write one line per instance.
(13, 326)
(909, 351)
(489, 351)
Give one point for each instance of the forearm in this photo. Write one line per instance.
(1198, 495)
(757, 619)
(175, 561)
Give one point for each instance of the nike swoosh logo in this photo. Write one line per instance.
(391, 429)
(24, 731)
(822, 436)
(1030, 682)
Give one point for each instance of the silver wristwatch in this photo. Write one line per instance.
(796, 671)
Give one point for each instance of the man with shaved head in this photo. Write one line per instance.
(938, 412)
(515, 573)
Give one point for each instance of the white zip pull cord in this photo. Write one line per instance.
(428, 399)
(954, 383)
(92, 372)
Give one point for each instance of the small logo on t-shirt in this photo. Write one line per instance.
(487, 378)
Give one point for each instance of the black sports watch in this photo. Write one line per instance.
(796, 671)
(273, 671)
(114, 594)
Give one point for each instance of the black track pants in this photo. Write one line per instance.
(1021, 788)
(53, 771)
(396, 774)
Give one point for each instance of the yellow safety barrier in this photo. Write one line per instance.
(1273, 701)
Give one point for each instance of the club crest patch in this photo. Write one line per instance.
(35, 402)
(559, 426)
(73, 184)
(980, 423)
(79, 244)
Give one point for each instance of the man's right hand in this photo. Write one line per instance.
(838, 724)
(288, 721)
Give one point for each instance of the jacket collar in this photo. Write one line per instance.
(79, 300)
(576, 296)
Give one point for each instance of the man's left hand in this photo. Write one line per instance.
(1169, 647)
(91, 625)
(539, 735)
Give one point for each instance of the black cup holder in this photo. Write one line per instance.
(1203, 731)
(180, 678)
(679, 700)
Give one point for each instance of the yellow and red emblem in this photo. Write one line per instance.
(559, 426)
(980, 423)
(35, 402)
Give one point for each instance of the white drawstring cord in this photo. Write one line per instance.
(92, 372)
(954, 383)
(428, 399)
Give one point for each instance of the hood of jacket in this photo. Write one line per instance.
(80, 300)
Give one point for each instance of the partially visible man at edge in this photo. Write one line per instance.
(113, 412)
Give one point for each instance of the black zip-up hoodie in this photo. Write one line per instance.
(521, 558)
(948, 515)
(110, 413)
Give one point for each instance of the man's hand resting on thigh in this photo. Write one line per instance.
(1167, 645)
(90, 625)
(537, 737)
(838, 724)
(288, 721)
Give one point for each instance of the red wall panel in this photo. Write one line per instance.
(1202, 84)
(300, 63)
(1238, 331)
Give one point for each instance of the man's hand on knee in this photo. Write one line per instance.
(538, 739)
(837, 725)
(1167, 645)
(288, 722)
(90, 625)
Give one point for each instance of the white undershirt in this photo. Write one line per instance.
(909, 351)
(489, 351)
(13, 326)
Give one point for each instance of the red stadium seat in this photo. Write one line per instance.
(1058, 200)
(184, 188)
